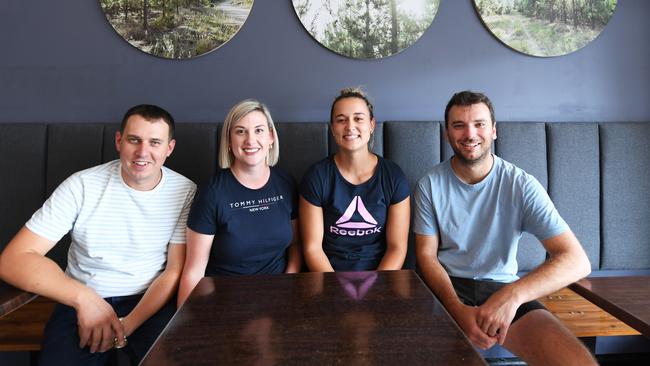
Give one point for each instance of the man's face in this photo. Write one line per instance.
(470, 132)
(143, 147)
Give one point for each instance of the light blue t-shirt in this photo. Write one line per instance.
(479, 225)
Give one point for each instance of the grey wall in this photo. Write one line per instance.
(60, 61)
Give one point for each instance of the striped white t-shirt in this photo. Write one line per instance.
(119, 235)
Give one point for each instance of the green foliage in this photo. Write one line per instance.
(176, 28)
(371, 28)
(163, 23)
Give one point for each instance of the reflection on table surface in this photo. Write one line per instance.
(377, 317)
(12, 298)
(627, 298)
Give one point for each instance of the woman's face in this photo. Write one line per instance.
(251, 139)
(352, 125)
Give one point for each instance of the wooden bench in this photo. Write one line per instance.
(582, 317)
(22, 329)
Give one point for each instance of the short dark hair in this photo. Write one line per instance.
(149, 112)
(467, 98)
(352, 93)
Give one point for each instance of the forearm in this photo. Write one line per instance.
(566, 264)
(316, 260)
(188, 281)
(38, 274)
(393, 258)
(438, 280)
(160, 291)
(294, 261)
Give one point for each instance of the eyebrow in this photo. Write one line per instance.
(354, 114)
(260, 125)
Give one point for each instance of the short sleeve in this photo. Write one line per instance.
(312, 186)
(541, 218)
(178, 237)
(203, 213)
(424, 218)
(60, 211)
(294, 200)
(401, 185)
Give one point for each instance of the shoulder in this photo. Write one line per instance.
(93, 175)
(438, 172)
(389, 165)
(178, 180)
(512, 173)
(319, 169)
(281, 175)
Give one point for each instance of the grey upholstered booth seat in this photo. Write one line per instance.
(596, 173)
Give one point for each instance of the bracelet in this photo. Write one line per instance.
(116, 345)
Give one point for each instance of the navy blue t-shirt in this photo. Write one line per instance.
(354, 215)
(251, 227)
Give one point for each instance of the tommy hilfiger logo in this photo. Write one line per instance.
(345, 225)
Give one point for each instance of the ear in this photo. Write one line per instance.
(272, 135)
(373, 124)
(494, 131)
(118, 139)
(171, 146)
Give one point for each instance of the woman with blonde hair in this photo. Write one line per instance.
(244, 220)
(354, 205)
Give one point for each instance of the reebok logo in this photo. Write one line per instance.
(345, 226)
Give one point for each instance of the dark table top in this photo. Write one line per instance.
(12, 298)
(626, 298)
(385, 317)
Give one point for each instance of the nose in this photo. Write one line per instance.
(248, 136)
(141, 150)
(469, 131)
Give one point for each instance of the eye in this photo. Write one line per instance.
(133, 140)
(259, 130)
(155, 143)
(239, 131)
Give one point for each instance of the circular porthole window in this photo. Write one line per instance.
(176, 29)
(366, 29)
(545, 28)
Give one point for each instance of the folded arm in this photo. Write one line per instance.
(435, 276)
(24, 265)
(566, 264)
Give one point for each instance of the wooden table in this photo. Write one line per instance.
(12, 298)
(626, 298)
(385, 317)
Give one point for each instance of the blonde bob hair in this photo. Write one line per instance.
(237, 112)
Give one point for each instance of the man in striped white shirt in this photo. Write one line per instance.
(127, 222)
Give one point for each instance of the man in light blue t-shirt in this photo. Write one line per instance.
(126, 220)
(470, 212)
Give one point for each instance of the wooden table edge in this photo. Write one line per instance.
(13, 298)
(582, 288)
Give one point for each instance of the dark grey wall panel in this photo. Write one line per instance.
(71, 147)
(301, 145)
(574, 181)
(625, 155)
(22, 187)
(415, 147)
(524, 144)
(196, 152)
(65, 58)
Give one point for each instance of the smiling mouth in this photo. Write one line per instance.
(140, 164)
(351, 137)
(470, 145)
(251, 150)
